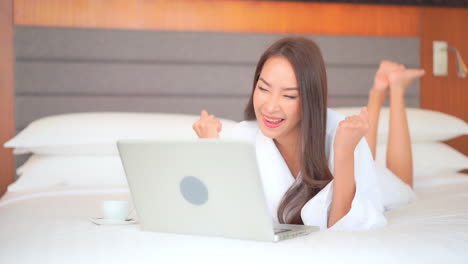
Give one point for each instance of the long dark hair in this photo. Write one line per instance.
(307, 61)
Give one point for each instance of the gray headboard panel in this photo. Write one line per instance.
(61, 70)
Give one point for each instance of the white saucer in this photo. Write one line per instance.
(103, 221)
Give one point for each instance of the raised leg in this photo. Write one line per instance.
(399, 156)
(377, 96)
(376, 99)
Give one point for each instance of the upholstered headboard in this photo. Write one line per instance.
(61, 70)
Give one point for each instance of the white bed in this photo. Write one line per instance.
(44, 217)
(51, 225)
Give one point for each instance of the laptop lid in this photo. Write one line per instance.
(202, 187)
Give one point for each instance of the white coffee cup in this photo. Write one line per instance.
(115, 210)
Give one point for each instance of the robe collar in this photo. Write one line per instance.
(274, 172)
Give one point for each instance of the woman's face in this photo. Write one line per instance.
(276, 99)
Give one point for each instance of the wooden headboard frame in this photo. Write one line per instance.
(240, 16)
(7, 120)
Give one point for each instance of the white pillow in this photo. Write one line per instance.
(424, 125)
(430, 159)
(97, 133)
(46, 171)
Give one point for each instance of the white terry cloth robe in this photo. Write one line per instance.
(377, 188)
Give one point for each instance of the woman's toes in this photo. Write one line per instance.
(403, 78)
(413, 74)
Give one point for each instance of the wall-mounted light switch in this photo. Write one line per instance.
(439, 58)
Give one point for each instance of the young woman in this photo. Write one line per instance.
(317, 167)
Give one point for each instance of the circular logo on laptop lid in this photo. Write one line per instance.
(194, 190)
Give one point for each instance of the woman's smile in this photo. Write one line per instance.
(272, 122)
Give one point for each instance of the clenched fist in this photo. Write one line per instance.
(350, 131)
(207, 126)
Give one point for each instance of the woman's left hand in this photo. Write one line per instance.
(350, 131)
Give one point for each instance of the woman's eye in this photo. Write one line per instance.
(262, 89)
(290, 97)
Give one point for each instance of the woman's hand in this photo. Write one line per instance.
(207, 126)
(350, 131)
(348, 134)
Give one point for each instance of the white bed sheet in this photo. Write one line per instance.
(51, 226)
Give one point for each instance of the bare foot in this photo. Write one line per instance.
(400, 79)
(381, 81)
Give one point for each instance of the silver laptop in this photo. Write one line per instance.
(202, 187)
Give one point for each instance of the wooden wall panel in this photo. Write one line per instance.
(7, 122)
(222, 16)
(448, 94)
